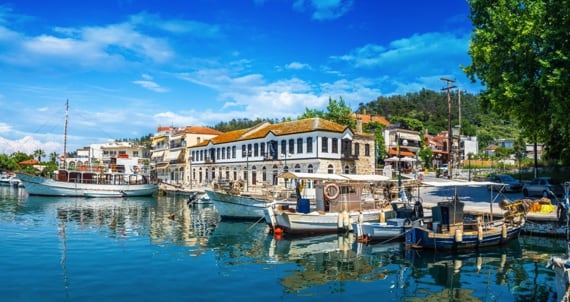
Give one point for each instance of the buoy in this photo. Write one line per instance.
(278, 231)
(458, 235)
(277, 236)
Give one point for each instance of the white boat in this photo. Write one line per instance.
(340, 201)
(241, 205)
(408, 213)
(68, 183)
(123, 177)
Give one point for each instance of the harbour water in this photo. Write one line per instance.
(162, 249)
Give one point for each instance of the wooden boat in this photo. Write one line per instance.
(123, 177)
(451, 229)
(340, 200)
(232, 202)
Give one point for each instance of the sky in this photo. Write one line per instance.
(129, 66)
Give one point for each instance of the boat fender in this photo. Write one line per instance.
(480, 232)
(346, 220)
(360, 217)
(418, 210)
(458, 235)
(340, 220)
(504, 231)
(331, 191)
(382, 217)
(560, 213)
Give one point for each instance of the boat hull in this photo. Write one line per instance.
(230, 206)
(422, 237)
(381, 230)
(40, 186)
(316, 222)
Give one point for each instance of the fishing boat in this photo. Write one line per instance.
(233, 202)
(339, 200)
(451, 228)
(408, 214)
(122, 177)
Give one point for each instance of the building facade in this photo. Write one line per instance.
(259, 154)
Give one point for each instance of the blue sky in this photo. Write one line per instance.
(128, 66)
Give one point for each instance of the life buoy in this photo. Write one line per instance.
(331, 191)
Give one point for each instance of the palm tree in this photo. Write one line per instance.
(53, 156)
(39, 153)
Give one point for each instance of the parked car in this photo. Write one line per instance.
(504, 183)
(544, 187)
(442, 170)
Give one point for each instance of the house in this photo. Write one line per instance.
(169, 157)
(257, 155)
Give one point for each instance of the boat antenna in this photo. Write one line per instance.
(65, 134)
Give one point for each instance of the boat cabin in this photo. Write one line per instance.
(448, 216)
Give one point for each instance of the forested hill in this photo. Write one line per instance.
(430, 108)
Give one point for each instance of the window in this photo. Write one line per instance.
(243, 151)
(310, 169)
(346, 169)
(309, 145)
(283, 146)
(256, 149)
(234, 151)
(299, 145)
(356, 149)
(263, 150)
(291, 146)
(330, 169)
(297, 168)
(334, 145)
(324, 144)
(366, 149)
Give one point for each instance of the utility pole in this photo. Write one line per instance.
(449, 136)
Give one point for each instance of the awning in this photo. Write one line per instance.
(335, 177)
(172, 155)
(158, 140)
(409, 136)
(393, 151)
(316, 176)
(157, 154)
(162, 165)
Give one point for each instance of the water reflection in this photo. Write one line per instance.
(302, 266)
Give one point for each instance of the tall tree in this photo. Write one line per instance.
(519, 51)
(39, 153)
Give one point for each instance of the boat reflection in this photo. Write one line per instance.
(165, 220)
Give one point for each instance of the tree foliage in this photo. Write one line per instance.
(520, 52)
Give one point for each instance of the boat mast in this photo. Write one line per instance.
(65, 135)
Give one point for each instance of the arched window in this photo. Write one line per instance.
(330, 169)
(297, 168)
(346, 169)
(310, 168)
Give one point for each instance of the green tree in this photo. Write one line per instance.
(337, 111)
(519, 52)
(39, 153)
(53, 157)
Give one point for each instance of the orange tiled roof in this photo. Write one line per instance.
(367, 118)
(263, 129)
(200, 130)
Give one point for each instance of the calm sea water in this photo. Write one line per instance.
(161, 249)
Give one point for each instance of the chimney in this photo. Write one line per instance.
(359, 125)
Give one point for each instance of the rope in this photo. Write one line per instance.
(251, 226)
